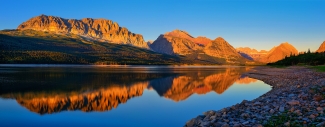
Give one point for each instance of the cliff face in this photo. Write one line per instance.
(279, 52)
(179, 42)
(99, 29)
(321, 47)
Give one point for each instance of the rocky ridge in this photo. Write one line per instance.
(98, 29)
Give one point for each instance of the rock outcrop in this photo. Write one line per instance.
(280, 52)
(98, 29)
(180, 42)
(321, 47)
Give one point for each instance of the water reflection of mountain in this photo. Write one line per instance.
(181, 87)
(245, 80)
(46, 92)
(99, 100)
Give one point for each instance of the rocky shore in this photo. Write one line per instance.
(296, 99)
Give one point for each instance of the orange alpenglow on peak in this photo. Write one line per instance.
(185, 35)
(179, 42)
(321, 47)
(180, 34)
(280, 52)
(202, 40)
(219, 39)
(97, 29)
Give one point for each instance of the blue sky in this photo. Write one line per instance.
(259, 24)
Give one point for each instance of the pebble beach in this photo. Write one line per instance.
(297, 98)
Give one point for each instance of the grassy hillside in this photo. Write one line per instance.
(36, 47)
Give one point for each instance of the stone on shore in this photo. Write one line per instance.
(297, 94)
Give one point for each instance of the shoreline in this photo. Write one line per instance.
(294, 94)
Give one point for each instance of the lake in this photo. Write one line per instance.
(119, 96)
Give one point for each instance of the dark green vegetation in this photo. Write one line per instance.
(286, 119)
(319, 68)
(302, 59)
(36, 47)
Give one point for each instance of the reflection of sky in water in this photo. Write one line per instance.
(150, 109)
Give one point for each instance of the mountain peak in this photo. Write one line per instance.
(219, 39)
(280, 52)
(179, 33)
(321, 47)
(287, 46)
(285, 43)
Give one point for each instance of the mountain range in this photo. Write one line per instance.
(91, 41)
(180, 42)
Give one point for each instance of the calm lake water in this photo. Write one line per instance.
(119, 96)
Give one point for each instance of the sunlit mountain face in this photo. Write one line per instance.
(52, 90)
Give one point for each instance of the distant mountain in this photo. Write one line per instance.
(97, 29)
(180, 42)
(321, 47)
(279, 52)
(252, 54)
